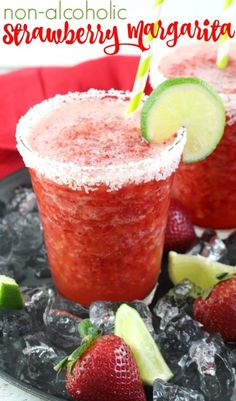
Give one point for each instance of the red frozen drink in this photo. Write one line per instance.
(103, 194)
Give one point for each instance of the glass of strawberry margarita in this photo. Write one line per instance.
(103, 194)
(208, 187)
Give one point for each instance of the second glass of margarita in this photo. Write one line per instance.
(208, 187)
(103, 194)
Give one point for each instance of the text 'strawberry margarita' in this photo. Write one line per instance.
(103, 194)
(207, 187)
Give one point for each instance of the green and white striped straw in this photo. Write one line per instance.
(224, 42)
(144, 66)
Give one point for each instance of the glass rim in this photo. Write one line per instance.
(91, 177)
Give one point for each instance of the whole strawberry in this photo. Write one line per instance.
(217, 312)
(102, 369)
(180, 233)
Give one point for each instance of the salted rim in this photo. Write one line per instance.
(229, 99)
(91, 177)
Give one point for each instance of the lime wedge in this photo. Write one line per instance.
(189, 103)
(201, 271)
(10, 295)
(130, 326)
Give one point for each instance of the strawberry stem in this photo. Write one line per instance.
(89, 334)
(86, 328)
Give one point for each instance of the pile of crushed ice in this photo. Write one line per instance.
(46, 330)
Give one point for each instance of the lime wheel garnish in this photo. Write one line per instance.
(189, 103)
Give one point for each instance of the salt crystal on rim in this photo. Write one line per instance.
(157, 167)
(230, 107)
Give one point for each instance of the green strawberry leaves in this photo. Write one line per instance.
(86, 328)
(61, 365)
(89, 333)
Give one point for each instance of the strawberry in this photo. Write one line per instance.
(102, 369)
(180, 232)
(217, 312)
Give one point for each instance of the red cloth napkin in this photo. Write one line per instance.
(20, 90)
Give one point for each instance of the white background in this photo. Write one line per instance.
(49, 54)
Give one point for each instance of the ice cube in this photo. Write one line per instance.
(5, 242)
(16, 346)
(26, 231)
(145, 314)
(37, 339)
(17, 264)
(203, 354)
(197, 248)
(230, 243)
(9, 353)
(181, 291)
(165, 312)
(40, 258)
(208, 235)
(61, 303)
(177, 301)
(232, 354)
(14, 266)
(36, 366)
(29, 204)
(14, 324)
(4, 357)
(210, 246)
(61, 326)
(215, 249)
(3, 209)
(169, 392)
(207, 368)
(36, 300)
(23, 200)
(42, 272)
(6, 270)
(102, 315)
(233, 398)
(39, 262)
(177, 338)
(11, 219)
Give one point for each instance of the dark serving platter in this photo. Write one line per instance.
(31, 280)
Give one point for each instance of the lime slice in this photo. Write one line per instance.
(189, 103)
(201, 271)
(130, 326)
(10, 295)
